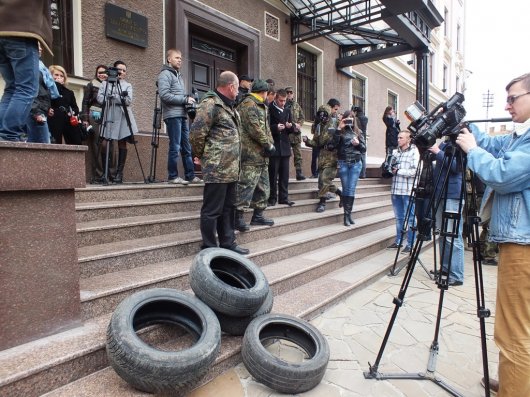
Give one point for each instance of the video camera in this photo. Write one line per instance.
(112, 74)
(191, 108)
(426, 128)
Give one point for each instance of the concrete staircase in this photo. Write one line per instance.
(134, 237)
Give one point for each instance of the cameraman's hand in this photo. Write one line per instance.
(434, 149)
(466, 140)
(190, 100)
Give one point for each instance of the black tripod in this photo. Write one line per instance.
(115, 87)
(449, 230)
(155, 140)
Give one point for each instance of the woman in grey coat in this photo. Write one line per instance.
(117, 98)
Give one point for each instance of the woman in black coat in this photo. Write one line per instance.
(63, 108)
(392, 129)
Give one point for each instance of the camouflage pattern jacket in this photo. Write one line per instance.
(297, 113)
(255, 131)
(323, 138)
(214, 138)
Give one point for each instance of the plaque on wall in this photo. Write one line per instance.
(125, 25)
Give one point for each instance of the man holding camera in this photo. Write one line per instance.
(501, 162)
(253, 187)
(174, 99)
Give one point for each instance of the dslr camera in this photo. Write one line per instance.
(387, 166)
(444, 120)
(191, 108)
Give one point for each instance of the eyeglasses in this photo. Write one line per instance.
(511, 99)
(289, 92)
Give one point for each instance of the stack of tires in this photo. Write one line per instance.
(232, 295)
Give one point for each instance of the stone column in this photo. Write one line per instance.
(39, 271)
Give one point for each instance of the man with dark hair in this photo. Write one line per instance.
(215, 141)
(362, 122)
(501, 162)
(253, 187)
(245, 82)
(174, 99)
(280, 127)
(295, 137)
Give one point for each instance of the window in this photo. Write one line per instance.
(61, 15)
(444, 79)
(393, 100)
(359, 92)
(307, 82)
(446, 22)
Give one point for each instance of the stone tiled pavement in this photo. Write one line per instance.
(355, 328)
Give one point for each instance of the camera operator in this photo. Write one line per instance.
(454, 250)
(174, 99)
(404, 170)
(501, 162)
(350, 146)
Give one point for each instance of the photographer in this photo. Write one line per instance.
(174, 99)
(501, 162)
(404, 170)
(454, 249)
(392, 129)
(350, 146)
(116, 102)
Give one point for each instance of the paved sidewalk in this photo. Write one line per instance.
(355, 328)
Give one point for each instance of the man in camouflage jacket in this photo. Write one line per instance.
(323, 131)
(253, 188)
(297, 118)
(214, 138)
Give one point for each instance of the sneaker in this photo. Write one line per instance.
(490, 262)
(406, 250)
(178, 181)
(394, 245)
(196, 180)
(494, 386)
(455, 283)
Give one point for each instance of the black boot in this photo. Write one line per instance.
(299, 175)
(122, 157)
(321, 207)
(350, 209)
(347, 211)
(338, 192)
(240, 222)
(259, 219)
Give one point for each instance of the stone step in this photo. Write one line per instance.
(107, 257)
(92, 211)
(100, 294)
(140, 226)
(74, 362)
(135, 191)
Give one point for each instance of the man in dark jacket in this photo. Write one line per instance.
(24, 23)
(174, 100)
(215, 141)
(281, 127)
(245, 83)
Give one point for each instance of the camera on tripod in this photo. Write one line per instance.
(112, 74)
(191, 108)
(444, 120)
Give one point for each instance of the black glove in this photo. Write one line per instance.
(124, 94)
(269, 150)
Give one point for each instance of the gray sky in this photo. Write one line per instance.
(496, 51)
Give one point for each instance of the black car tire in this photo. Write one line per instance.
(278, 374)
(237, 325)
(152, 370)
(228, 282)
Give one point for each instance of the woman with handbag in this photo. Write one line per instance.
(63, 116)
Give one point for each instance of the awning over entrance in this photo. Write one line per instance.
(367, 30)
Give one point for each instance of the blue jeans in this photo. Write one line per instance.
(400, 204)
(179, 142)
(37, 132)
(457, 259)
(19, 66)
(349, 175)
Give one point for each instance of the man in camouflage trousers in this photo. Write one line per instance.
(325, 120)
(253, 187)
(214, 138)
(297, 118)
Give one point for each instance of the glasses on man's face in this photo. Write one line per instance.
(511, 99)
